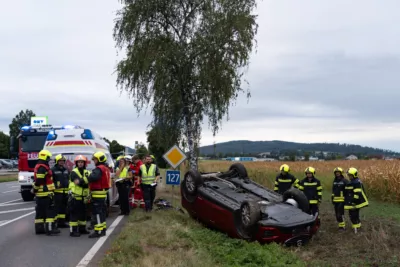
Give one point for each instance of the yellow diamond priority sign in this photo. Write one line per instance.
(174, 156)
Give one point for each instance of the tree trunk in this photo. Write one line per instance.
(190, 136)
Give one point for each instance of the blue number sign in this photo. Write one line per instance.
(173, 177)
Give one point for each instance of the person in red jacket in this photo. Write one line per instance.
(136, 191)
(99, 183)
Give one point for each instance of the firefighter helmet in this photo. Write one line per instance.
(60, 157)
(100, 156)
(353, 171)
(44, 155)
(284, 168)
(80, 158)
(310, 170)
(338, 169)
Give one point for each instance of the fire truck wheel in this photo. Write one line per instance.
(27, 196)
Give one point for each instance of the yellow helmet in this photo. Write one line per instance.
(284, 168)
(353, 171)
(120, 157)
(44, 155)
(60, 157)
(100, 156)
(152, 156)
(310, 170)
(338, 169)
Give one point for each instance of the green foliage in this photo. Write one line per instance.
(186, 57)
(23, 117)
(235, 252)
(115, 147)
(4, 145)
(160, 139)
(141, 150)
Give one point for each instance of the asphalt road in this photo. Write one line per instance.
(19, 246)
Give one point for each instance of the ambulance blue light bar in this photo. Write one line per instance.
(87, 134)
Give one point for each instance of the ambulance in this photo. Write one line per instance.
(74, 140)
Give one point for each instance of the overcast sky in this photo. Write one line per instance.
(324, 71)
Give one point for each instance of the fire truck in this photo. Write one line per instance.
(30, 141)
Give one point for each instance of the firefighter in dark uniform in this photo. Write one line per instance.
(149, 175)
(79, 192)
(43, 188)
(312, 188)
(99, 183)
(284, 180)
(354, 198)
(61, 183)
(338, 187)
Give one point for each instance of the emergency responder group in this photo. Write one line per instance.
(346, 194)
(63, 197)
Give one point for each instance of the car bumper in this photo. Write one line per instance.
(295, 237)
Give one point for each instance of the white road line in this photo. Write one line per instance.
(16, 219)
(3, 221)
(12, 204)
(10, 201)
(10, 211)
(10, 191)
(88, 257)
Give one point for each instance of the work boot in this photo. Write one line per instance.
(103, 232)
(82, 230)
(74, 232)
(51, 230)
(95, 234)
(39, 228)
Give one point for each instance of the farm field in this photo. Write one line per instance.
(177, 240)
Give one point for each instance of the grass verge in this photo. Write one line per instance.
(172, 239)
(8, 178)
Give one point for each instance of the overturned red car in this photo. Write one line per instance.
(232, 203)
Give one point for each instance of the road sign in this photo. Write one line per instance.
(38, 121)
(173, 177)
(174, 156)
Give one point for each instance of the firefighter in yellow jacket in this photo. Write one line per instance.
(312, 188)
(284, 181)
(355, 198)
(79, 193)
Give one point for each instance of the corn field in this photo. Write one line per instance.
(381, 178)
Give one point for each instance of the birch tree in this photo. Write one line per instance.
(185, 59)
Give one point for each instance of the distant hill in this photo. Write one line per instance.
(278, 147)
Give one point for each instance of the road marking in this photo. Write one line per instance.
(10, 211)
(12, 204)
(16, 219)
(3, 221)
(10, 191)
(88, 257)
(10, 201)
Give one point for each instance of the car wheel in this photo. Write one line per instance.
(239, 170)
(191, 182)
(299, 197)
(27, 196)
(247, 218)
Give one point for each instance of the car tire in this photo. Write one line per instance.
(247, 218)
(27, 196)
(299, 197)
(240, 170)
(189, 187)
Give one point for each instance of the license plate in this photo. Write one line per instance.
(302, 230)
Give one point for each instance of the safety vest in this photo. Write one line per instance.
(149, 176)
(76, 190)
(124, 173)
(99, 188)
(41, 190)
